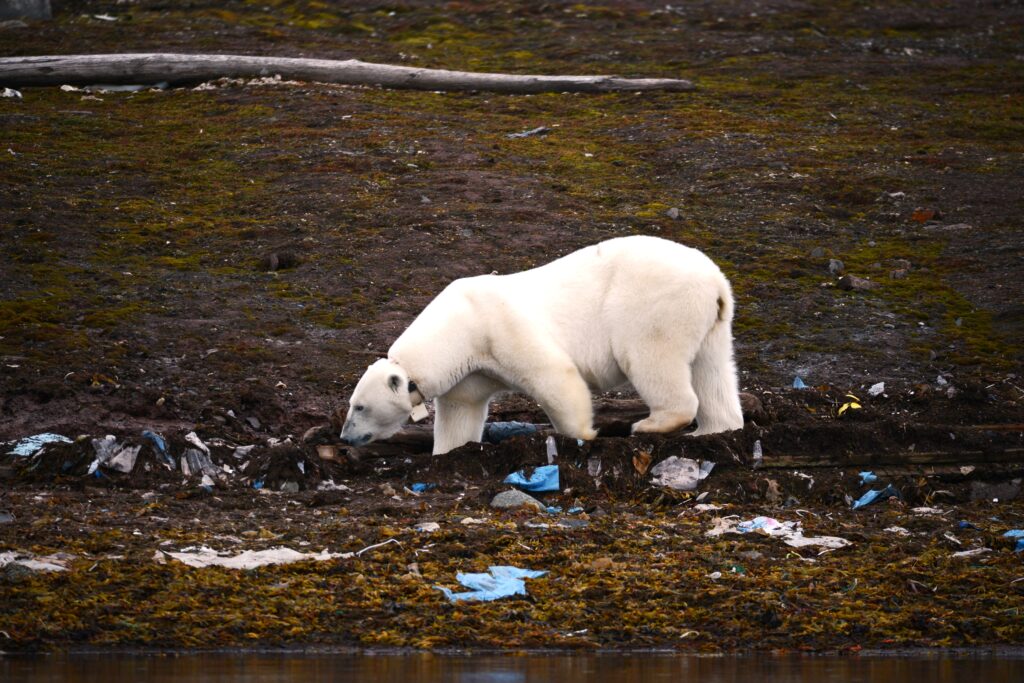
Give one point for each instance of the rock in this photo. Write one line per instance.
(673, 213)
(253, 422)
(897, 274)
(1001, 491)
(856, 284)
(836, 267)
(819, 253)
(279, 260)
(290, 487)
(752, 407)
(6, 517)
(509, 500)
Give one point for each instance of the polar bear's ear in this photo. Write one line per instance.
(394, 381)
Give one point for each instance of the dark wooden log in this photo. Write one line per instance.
(185, 68)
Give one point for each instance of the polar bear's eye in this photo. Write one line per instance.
(359, 409)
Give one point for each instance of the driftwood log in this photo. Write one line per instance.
(177, 69)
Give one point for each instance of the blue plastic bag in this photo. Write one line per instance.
(544, 478)
(1019, 535)
(873, 496)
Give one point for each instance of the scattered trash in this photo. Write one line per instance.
(11, 92)
(193, 439)
(161, 448)
(428, 527)
(929, 511)
(1019, 535)
(758, 455)
(508, 500)
(964, 524)
(195, 462)
(498, 582)
(496, 432)
(799, 383)
(706, 507)
(421, 487)
(329, 485)
(898, 530)
(791, 533)
(877, 389)
(40, 563)
(594, 467)
(552, 449)
(470, 521)
(30, 445)
(539, 130)
(852, 404)
(974, 552)
(116, 457)
(873, 496)
(203, 556)
(867, 478)
(544, 478)
(682, 474)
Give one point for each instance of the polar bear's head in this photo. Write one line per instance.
(380, 404)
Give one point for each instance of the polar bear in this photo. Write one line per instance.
(640, 311)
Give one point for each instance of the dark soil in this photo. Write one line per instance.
(228, 259)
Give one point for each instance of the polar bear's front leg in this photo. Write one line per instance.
(460, 414)
(565, 397)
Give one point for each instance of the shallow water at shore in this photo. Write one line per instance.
(561, 668)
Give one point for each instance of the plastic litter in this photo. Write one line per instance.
(203, 556)
(798, 383)
(1019, 535)
(428, 527)
(877, 389)
(160, 445)
(195, 462)
(682, 474)
(194, 439)
(539, 130)
(496, 432)
(40, 563)
(420, 487)
(874, 496)
(758, 455)
(498, 582)
(790, 533)
(10, 92)
(544, 478)
(552, 449)
(110, 454)
(30, 445)
(974, 552)
(867, 478)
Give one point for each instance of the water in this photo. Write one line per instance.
(626, 668)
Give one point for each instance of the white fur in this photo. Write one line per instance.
(638, 310)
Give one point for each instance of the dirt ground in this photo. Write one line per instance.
(226, 259)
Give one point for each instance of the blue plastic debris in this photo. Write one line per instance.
(31, 444)
(575, 510)
(553, 509)
(258, 484)
(867, 478)
(496, 432)
(873, 496)
(497, 582)
(544, 478)
(799, 383)
(1019, 535)
(161, 447)
(421, 487)
(963, 524)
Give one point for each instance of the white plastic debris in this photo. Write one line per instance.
(682, 474)
(109, 453)
(790, 533)
(973, 552)
(11, 92)
(329, 485)
(30, 445)
(40, 563)
(898, 530)
(877, 389)
(758, 455)
(194, 439)
(203, 556)
(428, 527)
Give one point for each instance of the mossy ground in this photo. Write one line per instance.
(135, 229)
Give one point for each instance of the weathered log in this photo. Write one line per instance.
(186, 68)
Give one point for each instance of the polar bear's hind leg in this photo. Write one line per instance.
(714, 379)
(664, 384)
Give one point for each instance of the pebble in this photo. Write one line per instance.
(836, 267)
(856, 284)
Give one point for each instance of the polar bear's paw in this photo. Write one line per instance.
(662, 422)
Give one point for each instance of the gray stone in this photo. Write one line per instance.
(852, 283)
(673, 213)
(290, 487)
(25, 9)
(836, 267)
(819, 253)
(509, 500)
(1002, 491)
